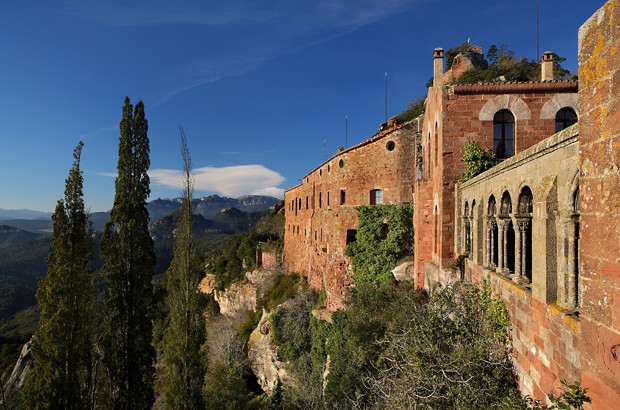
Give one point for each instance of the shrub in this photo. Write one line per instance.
(477, 160)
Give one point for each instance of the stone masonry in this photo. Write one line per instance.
(321, 215)
(543, 226)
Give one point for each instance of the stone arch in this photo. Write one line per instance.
(514, 104)
(506, 204)
(557, 102)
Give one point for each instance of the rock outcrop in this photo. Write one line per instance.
(20, 372)
(264, 360)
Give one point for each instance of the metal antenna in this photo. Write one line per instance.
(537, 36)
(325, 149)
(346, 131)
(386, 96)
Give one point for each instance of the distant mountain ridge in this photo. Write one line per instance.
(207, 206)
(25, 243)
(23, 214)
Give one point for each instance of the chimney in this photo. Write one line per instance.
(547, 66)
(438, 67)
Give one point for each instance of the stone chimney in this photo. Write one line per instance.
(438, 67)
(547, 66)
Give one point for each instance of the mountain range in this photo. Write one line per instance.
(25, 243)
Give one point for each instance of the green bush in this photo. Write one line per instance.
(384, 236)
(477, 160)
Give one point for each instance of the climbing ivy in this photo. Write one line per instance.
(477, 160)
(384, 236)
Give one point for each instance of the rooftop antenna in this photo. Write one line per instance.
(325, 149)
(537, 36)
(346, 131)
(386, 96)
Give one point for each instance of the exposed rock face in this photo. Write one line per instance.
(22, 369)
(237, 298)
(468, 60)
(264, 360)
(404, 271)
(207, 284)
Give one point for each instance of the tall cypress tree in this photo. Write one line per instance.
(185, 331)
(62, 373)
(127, 248)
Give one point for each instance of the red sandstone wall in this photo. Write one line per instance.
(315, 236)
(453, 118)
(599, 100)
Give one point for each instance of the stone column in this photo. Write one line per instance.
(523, 227)
(501, 245)
(518, 273)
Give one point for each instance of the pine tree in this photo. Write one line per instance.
(127, 248)
(185, 331)
(62, 373)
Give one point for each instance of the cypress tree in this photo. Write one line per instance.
(127, 248)
(61, 377)
(185, 331)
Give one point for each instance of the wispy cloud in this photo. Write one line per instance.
(248, 32)
(230, 181)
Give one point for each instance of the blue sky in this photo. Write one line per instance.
(260, 87)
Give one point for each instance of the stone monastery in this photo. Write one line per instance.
(543, 225)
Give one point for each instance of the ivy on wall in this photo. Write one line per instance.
(384, 236)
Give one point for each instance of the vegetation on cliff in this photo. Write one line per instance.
(503, 65)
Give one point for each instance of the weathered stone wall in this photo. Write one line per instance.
(599, 102)
(545, 330)
(317, 223)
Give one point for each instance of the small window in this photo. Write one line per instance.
(564, 118)
(343, 197)
(384, 232)
(327, 198)
(390, 145)
(320, 172)
(329, 168)
(306, 202)
(320, 200)
(341, 163)
(376, 197)
(504, 134)
(351, 235)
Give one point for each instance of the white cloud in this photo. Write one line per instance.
(230, 181)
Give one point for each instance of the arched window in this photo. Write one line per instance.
(525, 201)
(564, 118)
(524, 239)
(504, 134)
(506, 206)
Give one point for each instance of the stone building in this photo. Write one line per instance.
(543, 226)
(321, 215)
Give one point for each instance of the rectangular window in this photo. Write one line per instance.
(343, 197)
(327, 198)
(376, 197)
(306, 202)
(320, 200)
